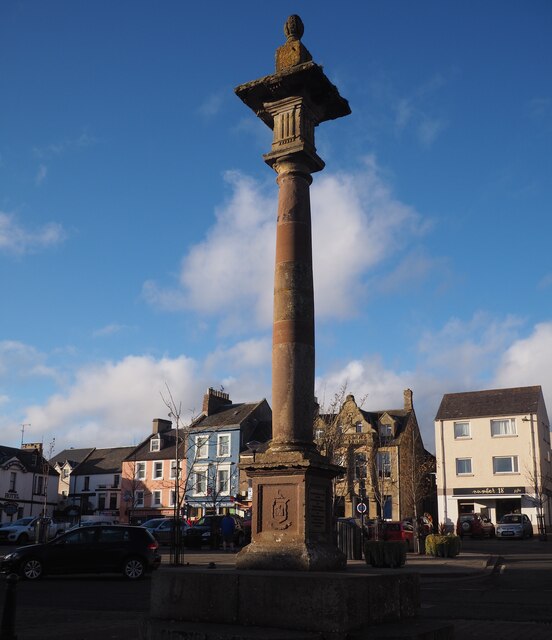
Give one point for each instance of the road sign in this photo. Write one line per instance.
(361, 507)
(10, 508)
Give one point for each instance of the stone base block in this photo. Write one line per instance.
(331, 604)
(291, 557)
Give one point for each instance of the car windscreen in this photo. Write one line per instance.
(511, 520)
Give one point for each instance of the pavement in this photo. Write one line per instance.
(465, 564)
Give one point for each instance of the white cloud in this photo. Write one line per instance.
(527, 362)
(19, 361)
(41, 174)
(108, 330)
(211, 106)
(113, 403)
(356, 218)
(17, 240)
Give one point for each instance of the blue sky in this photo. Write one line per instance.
(137, 217)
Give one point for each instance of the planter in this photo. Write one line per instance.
(385, 553)
(447, 546)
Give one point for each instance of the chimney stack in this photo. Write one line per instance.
(160, 425)
(408, 406)
(213, 401)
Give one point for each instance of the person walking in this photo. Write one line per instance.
(227, 529)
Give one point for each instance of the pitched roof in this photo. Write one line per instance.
(167, 450)
(103, 461)
(28, 458)
(492, 402)
(72, 456)
(231, 416)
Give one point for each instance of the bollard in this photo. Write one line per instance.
(7, 626)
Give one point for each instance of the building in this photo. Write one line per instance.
(216, 440)
(493, 454)
(153, 475)
(90, 481)
(28, 483)
(388, 470)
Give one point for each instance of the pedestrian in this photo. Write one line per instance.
(227, 529)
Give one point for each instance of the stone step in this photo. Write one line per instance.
(408, 630)
(178, 630)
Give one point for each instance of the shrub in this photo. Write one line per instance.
(444, 546)
(385, 553)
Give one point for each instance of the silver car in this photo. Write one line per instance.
(514, 525)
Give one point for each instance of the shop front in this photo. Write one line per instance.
(493, 502)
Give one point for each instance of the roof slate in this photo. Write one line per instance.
(492, 402)
(73, 456)
(231, 416)
(103, 461)
(27, 458)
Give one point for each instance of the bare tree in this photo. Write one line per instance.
(541, 482)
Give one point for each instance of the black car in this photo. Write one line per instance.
(132, 551)
(206, 531)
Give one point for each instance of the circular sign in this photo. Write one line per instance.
(10, 509)
(361, 507)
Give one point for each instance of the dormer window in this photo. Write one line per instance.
(155, 444)
(386, 430)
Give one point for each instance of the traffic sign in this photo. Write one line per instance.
(361, 507)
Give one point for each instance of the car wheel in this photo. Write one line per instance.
(134, 569)
(31, 569)
(23, 539)
(466, 526)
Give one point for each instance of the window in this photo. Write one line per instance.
(116, 481)
(39, 485)
(358, 427)
(386, 431)
(155, 443)
(139, 499)
(223, 445)
(223, 481)
(360, 466)
(202, 446)
(101, 501)
(112, 501)
(86, 483)
(200, 482)
(462, 430)
(65, 473)
(13, 481)
(463, 466)
(505, 464)
(384, 464)
(318, 434)
(172, 498)
(387, 507)
(156, 499)
(140, 470)
(158, 470)
(505, 427)
(173, 469)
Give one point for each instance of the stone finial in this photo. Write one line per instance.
(293, 52)
(294, 28)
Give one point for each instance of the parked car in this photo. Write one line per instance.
(132, 551)
(514, 525)
(163, 529)
(402, 531)
(24, 530)
(474, 524)
(201, 533)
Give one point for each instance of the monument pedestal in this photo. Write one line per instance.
(292, 525)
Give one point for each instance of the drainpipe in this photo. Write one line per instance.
(443, 471)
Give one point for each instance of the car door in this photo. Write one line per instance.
(71, 553)
(113, 545)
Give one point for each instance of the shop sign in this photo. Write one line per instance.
(489, 491)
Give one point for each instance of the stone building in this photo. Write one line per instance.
(386, 465)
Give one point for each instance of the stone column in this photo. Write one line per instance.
(292, 483)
